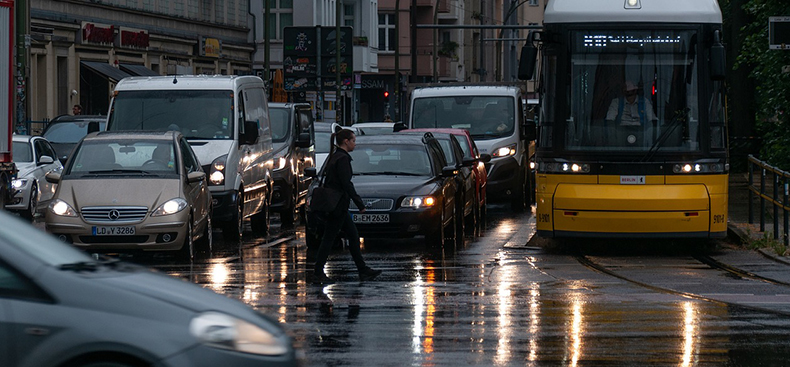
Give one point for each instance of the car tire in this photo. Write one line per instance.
(233, 230)
(288, 214)
(460, 224)
(436, 238)
(187, 250)
(207, 240)
(260, 221)
(32, 204)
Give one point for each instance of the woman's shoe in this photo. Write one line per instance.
(368, 274)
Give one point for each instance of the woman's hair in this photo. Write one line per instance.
(339, 137)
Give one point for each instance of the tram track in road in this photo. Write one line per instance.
(589, 263)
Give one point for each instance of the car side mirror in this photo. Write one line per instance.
(45, 159)
(468, 162)
(250, 135)
(449, 171)
(194, 177)
(311, 172)
(52, 177)
(485, 157)
(303, 140)
(399, 126)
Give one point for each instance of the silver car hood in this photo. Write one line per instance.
(126, 191)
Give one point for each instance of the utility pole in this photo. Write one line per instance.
(22, 25)
(397, 60)
(413, 22)
(338, 100)
(266, 39)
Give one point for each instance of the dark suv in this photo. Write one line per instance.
(65, 131)
(292, 136)
(408, 189)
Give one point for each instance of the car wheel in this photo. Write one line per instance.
(234, 229)
(32, 204)
(520, 198)
(460, 223)
(474, 226)
(187, 250)
(288, 214)
(260, 221)
(436, 238)
(207, 240)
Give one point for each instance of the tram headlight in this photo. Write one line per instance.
(690, 168)
(564, 167)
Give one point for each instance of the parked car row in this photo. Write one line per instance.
(413, 184)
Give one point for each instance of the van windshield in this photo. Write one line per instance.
(197, 114)
(281, 122)
(485, 117)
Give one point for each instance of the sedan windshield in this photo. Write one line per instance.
(124, 157)
(411, 160)
(22, 152)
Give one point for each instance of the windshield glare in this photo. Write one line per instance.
(155, 156)
(281, 124)
(201, 114)
(410, 160)
(68, 132)
(22, 152)
(483, 116)
(633, 91)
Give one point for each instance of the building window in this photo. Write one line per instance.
(386, 32)
(348, 15)
(534, 2)
(281, 16)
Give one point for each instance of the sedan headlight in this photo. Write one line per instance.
(219, 330)
(18, 183)
(171, 206)
(61, 208)
(418, 202)
(507, 151)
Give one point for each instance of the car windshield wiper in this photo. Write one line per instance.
(389, 173)
(138, 171)
(89, 265)
(671, 126)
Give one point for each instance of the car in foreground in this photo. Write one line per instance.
(478, 166)
(292, 137)
(408, 189)
(34, 158)
(132, 190)
(65, 131)
(61, 307)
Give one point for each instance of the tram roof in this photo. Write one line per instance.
(651, 11)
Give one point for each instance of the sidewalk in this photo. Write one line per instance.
(738, 226)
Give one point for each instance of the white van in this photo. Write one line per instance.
(226, 121)
(494, 116)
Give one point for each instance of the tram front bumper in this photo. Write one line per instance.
(631, 211)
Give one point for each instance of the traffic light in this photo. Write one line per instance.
(386, 96)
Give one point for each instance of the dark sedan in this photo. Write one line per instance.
(408, 188)
(64, 132)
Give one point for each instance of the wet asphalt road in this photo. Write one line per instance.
(501, 301)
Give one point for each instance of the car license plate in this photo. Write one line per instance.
(371, 218)
(114, 231)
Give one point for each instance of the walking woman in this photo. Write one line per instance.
(338, 177)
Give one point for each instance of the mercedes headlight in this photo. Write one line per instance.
(219, 330)
(61, 208)
(216, 174)
(418, 202)
(171, 206)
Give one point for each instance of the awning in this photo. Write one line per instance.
(105, 69)
(138, 70)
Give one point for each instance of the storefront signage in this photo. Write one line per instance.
(210, 47)
(133, 38)
(96, 33)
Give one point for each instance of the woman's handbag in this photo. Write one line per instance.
(324, 199)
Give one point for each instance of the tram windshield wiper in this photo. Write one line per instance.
(673, 124)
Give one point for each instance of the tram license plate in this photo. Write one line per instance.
(632, 180)
(371, 218)
(114, 231)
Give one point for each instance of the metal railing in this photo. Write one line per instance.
(777, 196)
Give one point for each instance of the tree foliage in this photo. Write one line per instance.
(772, 86)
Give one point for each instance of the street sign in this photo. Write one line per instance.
(309, 54)
(779, 33)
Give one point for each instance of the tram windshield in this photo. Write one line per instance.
(633, 90)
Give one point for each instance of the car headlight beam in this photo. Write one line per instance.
(507, 151)
(417, 202)
(223, 331)
(216, 174)
(18, 183)
(171, 206)
(61, 208)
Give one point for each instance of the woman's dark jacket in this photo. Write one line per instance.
(338, 177)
